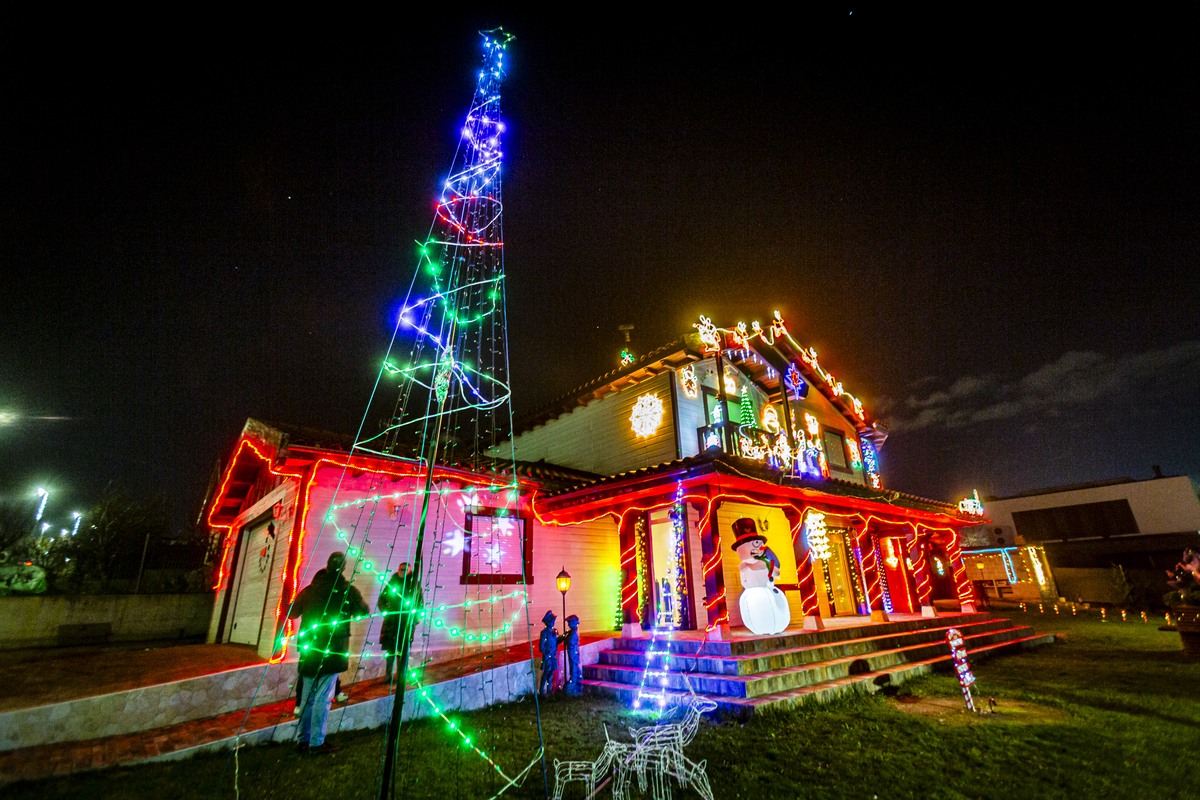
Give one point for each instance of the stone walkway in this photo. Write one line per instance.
(31, 763)
(30, 678)
(120, 671)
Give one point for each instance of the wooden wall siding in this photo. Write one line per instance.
(590, 553)
(779, 539)
(385, 532)
(599, 438)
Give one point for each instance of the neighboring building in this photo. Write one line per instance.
(1088, 530)
(633, 483)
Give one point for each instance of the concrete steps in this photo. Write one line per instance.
(748, 674)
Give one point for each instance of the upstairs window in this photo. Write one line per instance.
(835, 450)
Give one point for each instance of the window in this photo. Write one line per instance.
(496, 544)
(835, 450)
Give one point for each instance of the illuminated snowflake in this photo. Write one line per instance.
(647, 415)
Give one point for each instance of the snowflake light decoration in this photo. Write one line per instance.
(647, 415)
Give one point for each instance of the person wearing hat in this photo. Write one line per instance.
(548, 646)
(764, 608)
(325, 608)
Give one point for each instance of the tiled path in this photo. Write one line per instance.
(54, 675)
(56, 759)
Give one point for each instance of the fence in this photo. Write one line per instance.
(61, 620)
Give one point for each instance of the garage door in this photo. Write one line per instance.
(254, 577)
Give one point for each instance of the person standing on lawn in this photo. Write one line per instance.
(325, 608)
(397, 602)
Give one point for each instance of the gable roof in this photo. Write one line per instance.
(763, 359)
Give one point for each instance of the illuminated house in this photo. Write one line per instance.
(732, 424)
(635, 483)
(276, 509)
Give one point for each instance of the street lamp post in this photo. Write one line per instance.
(43, 496)
(563, 580)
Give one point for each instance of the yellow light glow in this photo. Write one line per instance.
(818, 535)
(1031, 553)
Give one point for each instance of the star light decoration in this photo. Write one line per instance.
(493, 554)
(647, 415)
(454, 543)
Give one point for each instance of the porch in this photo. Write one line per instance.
(745, 672)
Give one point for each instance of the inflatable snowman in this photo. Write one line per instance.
(764, 608)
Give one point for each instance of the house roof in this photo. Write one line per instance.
(670, 356)
(289, 449)
(760, 359)
(609, 491)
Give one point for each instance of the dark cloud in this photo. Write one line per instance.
(1077, 378)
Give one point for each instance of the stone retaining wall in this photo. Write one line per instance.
(47, 621)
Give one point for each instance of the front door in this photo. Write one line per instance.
(670, 571)
(254, 577)
(839, 576)
(899, 579)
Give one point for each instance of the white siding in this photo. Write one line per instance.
(690, 412)
(589, 551)
(599, 438)
(1162, 505)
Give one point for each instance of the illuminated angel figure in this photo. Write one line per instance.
(687, 379)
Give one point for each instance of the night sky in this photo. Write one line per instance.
(989, 228)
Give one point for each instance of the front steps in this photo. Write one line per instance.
(781, 671)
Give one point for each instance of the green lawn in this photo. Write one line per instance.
(1112, 710)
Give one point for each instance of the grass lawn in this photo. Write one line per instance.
(1112, 710)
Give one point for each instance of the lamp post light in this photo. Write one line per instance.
(78, 518)
(563, 581)
(44, 495)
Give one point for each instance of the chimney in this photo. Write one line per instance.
(1158, 471)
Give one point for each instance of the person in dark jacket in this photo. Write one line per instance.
(394, 600)
(325, 608)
